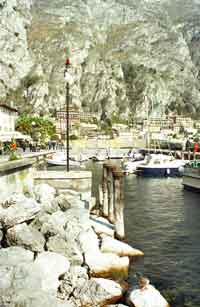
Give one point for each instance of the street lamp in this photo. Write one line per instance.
(69, 80)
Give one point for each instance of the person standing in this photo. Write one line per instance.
(196, 149)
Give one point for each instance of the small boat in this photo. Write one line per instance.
(130, 167)
(59, 159)
(191, 176)
(130, 163)
(99, 156)
(161, 165)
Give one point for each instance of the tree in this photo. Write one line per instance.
(39, 128)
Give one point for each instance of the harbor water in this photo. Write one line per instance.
(163, 220)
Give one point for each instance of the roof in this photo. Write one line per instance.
(8, 107)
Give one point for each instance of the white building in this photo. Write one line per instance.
(8, 117)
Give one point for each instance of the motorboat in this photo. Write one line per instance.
(99, 157)
(191, 176)
(161, 165)
(79, 157)
(59, 158)
(130, 166)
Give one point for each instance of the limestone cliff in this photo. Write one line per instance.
(15, 60)
(121, 51)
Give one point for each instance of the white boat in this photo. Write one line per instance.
(191, 176)
(161, 165)
(100, 156)
(131, 161)
(79, 157)
(59, 158)
(130, 167)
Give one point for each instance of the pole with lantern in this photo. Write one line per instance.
(69, 80)
(67, 77)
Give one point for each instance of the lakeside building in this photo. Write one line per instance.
(8, 118)
(75, 118)
(174, 123)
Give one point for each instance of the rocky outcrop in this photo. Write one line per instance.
(18, 210)
(110, 245)
(15, 61)
(54, 258)
(120, 53)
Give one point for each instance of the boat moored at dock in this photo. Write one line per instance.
(161, 165)
(191, 176)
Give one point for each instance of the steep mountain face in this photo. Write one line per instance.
(15, 60)
(128, 57)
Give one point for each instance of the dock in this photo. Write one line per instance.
(26, 160)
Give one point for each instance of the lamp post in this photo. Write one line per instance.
(69, 81)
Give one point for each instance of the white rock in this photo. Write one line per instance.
(37, 299)
(51, 266)
(13, 256)
(89, 241)
(98, 292)
(100, 264)
(149, 297)
(45, 195)
(43, 274)
(6, 276)
(19, 212)
(26, 236)
(69, 248)
(110, 245)
(102, 226)
(104, 265)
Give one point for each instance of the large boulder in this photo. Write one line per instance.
(74, 201)
(13, 256)
(30, 298)
(102, 226)
(6, 277)
(67, 224)
(26, 236)
(98, 292)
(62, 202)
(101, 264)
(54, 224)
(77, 277)
(50, 266)
(18, 210)
(42, 275)
(45, 195)
(105, 265)
(110, 245)
(77, 221)
(68, 248)
(147, 296)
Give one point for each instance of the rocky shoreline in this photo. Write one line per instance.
(54, 252)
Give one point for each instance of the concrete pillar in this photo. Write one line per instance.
(119, 204)
(105, 190)
(110, 184)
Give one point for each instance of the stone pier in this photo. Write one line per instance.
(80, 181)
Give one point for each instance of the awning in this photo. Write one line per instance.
(16, 135)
